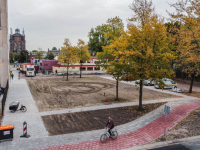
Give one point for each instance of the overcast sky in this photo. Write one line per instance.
(48, 22)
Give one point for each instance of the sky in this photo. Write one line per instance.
(48, 22)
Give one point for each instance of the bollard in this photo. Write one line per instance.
(106, 99)
(25, 130)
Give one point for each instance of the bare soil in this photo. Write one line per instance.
(185, 85)
(186, 128)
(93, 120)
(57, 93)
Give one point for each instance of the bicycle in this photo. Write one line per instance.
(106, 135)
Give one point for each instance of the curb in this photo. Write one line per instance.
(167, 143)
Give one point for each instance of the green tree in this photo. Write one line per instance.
(50, 56)
(187, 14)
(101, 35)
(82, 53)
(24, 56)
(11, 57)
(34, 50)
(16, 56)
(111, 64)
(69, 55)
(39, 55)
(54, 48)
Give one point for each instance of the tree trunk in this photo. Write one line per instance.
(140, 95)
(67, 71)
(81, 70)
(191, 84)
(117, 88)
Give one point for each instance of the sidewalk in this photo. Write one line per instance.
(19, 91)
(141, 136)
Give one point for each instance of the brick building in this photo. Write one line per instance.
(17, 41)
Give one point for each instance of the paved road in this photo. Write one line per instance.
(172, 147)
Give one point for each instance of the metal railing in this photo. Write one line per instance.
(5, 92)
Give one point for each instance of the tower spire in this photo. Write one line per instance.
(23, 32)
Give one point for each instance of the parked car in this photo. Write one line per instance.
(168, 84)
(149, 82)
(60, 74)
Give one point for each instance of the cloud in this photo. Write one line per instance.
(48, 22)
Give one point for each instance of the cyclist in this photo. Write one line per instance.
(111, 124)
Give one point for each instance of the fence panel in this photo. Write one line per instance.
(4, 97)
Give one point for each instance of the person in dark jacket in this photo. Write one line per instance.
(111, 125)
(12, 75)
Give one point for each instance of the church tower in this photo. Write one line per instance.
(17, 41)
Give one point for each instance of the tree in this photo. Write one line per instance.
(82, 53)
(34, 50)
(16, 56)
(24, 56)
(144, 47)
(39, 55)
(187, 14)
(69, 55)
(54, 48)
(101, 35)
(11, 57)
(111, 64)
(50, 56)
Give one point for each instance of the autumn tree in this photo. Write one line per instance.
(83, 54)
(144, 47)
(68, 56)
(188, 14)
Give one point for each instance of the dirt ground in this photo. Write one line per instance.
(185, 85)
(93, 120)
(187, 128)
(56, 94)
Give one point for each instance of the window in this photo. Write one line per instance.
(97, 68)
(73, 67)
(89, 68)
(82, 69)
(30, 69)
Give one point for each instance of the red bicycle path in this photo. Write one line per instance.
(138, 137)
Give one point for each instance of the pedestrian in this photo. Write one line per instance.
(12, 75)
(56, 72)
(19, 76)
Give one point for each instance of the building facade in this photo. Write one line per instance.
(47, 64)
(55, 52)
(17, 41)
(4, 51)
(89, 67)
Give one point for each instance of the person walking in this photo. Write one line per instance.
(12, 75)
(19, 76)
(111, 125)
(56, 72)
